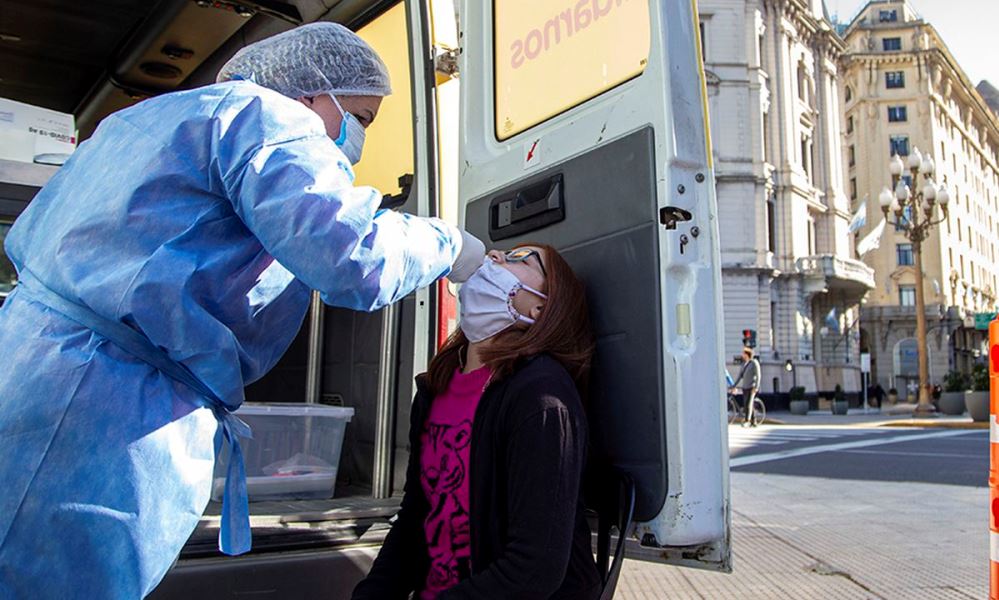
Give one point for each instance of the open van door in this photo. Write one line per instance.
(584, 126)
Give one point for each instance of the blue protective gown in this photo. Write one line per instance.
(200, 219)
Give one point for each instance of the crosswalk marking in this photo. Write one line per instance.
(739, 437)
(752, 459)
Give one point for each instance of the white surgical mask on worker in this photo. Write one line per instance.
(351, 138)
(486, 301)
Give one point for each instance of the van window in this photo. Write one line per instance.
(388, 145)
(552, 55)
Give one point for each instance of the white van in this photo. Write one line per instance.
(577, 123)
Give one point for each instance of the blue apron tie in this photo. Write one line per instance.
(234, 532)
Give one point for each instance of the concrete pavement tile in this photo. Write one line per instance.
(932, 593)
(805, 538)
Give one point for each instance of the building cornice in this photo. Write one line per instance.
(755, 269)
(817, 30)
(993, 132)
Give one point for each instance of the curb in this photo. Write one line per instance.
(935, 424)
(925, 423)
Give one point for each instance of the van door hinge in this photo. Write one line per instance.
(446, 62)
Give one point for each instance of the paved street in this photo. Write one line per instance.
(845, 512)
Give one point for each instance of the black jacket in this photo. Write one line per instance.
(529, 538)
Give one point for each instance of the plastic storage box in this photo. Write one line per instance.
(294, 452)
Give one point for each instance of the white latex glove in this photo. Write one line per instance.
(470, 258)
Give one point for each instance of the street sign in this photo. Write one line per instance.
(982, 320)
(865, 362)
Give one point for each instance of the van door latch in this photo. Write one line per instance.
(671, 215)
(446, 63)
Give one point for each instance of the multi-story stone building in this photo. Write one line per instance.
(788, 271)
(902, 89)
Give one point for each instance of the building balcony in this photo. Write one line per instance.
(825, 272)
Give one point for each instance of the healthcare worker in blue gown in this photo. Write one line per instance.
(165, 266)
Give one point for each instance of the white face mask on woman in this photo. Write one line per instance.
(351, 138)
(486, 301)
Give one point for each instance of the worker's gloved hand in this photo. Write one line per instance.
(473, 252)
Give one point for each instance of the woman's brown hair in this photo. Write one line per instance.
(562, 331)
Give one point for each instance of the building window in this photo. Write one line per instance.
(887, 16)
(891, 44)
(766, 138)
(849, 93)
(895, 79)
(853, 188)
(704, 37)
(904, 254)
(773, 324)
(899, 144)
(897, 114)
(849, 124)
(811, 160)
(907, 295)
(806, 157)
(903, 222)
(771, 224)
(851, 155)
(803, 84)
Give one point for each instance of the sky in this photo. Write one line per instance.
(970, 28)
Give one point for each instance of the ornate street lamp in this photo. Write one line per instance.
(789, 367)
(914, 215)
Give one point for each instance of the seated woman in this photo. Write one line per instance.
(492, 504)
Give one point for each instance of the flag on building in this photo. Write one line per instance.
(872, 240)
(859, 218)
(831, 321)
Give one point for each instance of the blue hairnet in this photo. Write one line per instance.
(311, 60)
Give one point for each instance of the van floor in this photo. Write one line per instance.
(284, 525)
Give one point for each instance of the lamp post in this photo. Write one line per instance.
(914, 215)
(789, 367)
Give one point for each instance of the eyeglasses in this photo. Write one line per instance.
(522, 254)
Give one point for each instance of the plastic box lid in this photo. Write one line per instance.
(295, 410)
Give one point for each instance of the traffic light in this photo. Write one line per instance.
(749, 338)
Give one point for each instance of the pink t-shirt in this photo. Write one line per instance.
(445, 444)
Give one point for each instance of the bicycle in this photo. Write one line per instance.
(736, 414)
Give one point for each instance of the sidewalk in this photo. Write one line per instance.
(899, 415)
(798, 538)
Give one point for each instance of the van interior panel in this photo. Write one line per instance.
(96, 57)
(614, 224)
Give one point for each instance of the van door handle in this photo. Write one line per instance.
(395, 201)
(532, 207)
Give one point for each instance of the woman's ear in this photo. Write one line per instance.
(536, 309)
